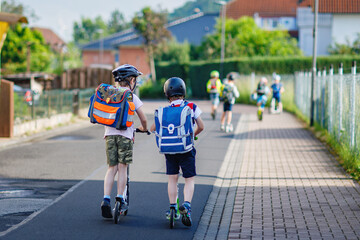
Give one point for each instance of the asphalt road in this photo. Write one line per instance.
(74, 163)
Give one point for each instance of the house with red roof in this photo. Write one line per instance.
(268, 14)
(338, 21)
(127, 46)
(51, 38)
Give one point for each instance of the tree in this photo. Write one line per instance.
(151, 26)
(244, 38)
(11, 6)
(348, 48)
(172, 51)
(117, 22)
(14, 52)
(88, 29)
(192, 7)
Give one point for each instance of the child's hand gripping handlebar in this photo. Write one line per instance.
(147, 132)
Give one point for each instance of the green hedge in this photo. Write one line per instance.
(197, 73)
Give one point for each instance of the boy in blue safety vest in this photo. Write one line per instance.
(119, 143)
(175, 90)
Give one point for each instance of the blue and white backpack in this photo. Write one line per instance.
(174, 129)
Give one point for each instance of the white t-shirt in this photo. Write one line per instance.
(195, 113)
(129, 132)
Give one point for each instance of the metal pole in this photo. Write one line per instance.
(314, 63)
(330, 103)
(341, 71)
(101, 50)
(318, 97)
(352, 104)
(223, 12)
(323, 86)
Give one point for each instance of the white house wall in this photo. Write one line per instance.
(305, 21)
(345, 26)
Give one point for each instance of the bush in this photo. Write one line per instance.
(153, 90)
(196, 73)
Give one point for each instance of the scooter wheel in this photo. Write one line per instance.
(172, 218)
(117, 212)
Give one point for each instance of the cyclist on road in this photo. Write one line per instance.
(175, 90)
(213, 87)
(119, 143)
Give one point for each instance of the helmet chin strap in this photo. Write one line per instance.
(131, 88)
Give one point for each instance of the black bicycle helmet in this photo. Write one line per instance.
(174, 87)
(122, 72)
(231, 77)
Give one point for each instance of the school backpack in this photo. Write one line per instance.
(112, 106)
(174, 129)
(228, 93)
(261, 89)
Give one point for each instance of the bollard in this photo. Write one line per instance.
(330, 99)
(341, 72)
(352, 104)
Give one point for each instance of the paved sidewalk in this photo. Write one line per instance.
(289, 185)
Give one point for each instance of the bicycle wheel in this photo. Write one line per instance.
(117, 212)
(172, 218)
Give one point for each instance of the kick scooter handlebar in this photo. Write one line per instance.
(147, 132)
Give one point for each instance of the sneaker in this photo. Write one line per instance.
(213, 116)
(229, 128)
(185, 211)
(177, 215)
(222, 127)
(106, 209)
(123, 204)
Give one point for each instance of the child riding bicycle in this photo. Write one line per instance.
(119, 143)
(175, 91)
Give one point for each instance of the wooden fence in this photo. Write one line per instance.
(81, 78)
(6, 108)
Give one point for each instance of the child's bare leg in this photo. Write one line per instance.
(109, 179)
(229, 117)
(223, 118)
(122, 178)
(189, 189)
(172, 188)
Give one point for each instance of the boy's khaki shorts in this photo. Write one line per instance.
(119, 149)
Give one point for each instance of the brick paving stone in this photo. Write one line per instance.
(291, 187)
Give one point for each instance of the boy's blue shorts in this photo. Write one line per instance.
(227, 107)
(214, 98)
(277, 97)
(185, 161)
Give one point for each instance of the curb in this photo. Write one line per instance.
(216, 218)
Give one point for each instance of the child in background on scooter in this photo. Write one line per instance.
(262, 91)
(277, 89)
(229, 94)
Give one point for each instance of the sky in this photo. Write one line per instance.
(59, 15)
